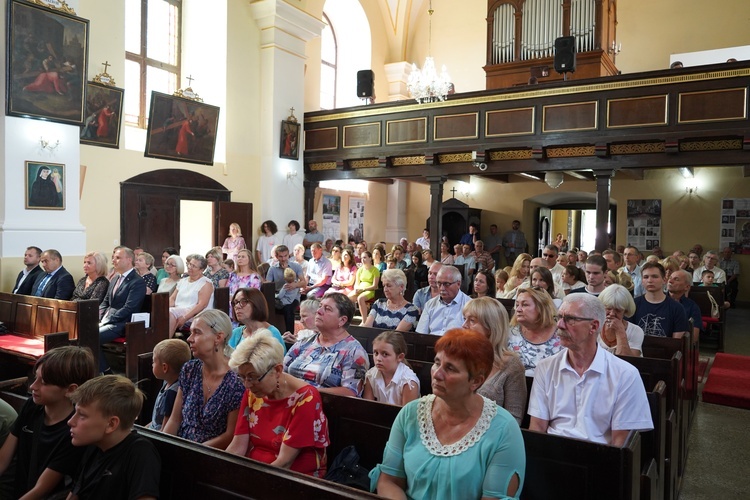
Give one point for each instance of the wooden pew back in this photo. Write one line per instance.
(419, 345)
(191, 470)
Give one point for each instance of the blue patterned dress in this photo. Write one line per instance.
(386, 318)
(203, 422)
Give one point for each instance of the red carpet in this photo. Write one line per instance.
(728, 381)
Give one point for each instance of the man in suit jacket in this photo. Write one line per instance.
(124, 297)
(26, 278)
(55, 282)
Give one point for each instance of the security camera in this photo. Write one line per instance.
(480, 166)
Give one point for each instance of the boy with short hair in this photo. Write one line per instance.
(285, 297)
(40, 438)
(167, 360)
(117, 462)
(707, 278)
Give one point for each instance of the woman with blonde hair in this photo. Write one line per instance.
(618, 335)
(143, 263)
(506, 383)
(214, 270)
(94, 284)
(234, 243)
(175, 267)
(533, 333)
(519, 272)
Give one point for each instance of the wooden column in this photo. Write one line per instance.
(603, 182)
(436, 213)
(310, 187)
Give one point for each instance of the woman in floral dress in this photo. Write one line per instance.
(245, 276)
(281, 419)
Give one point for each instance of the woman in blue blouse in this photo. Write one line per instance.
(208, 399)
(393, 312)
(454, 443)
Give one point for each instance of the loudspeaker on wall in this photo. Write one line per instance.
(565, 54)
(365, 83)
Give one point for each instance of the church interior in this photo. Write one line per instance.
(262, 62)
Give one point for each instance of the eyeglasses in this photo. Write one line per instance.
(252, 380)
(570, 320)
(240, 303)
(193, 266)
(445, 284)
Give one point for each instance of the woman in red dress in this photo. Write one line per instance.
(281, 419)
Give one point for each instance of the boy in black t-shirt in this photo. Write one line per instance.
(117, 463)
(40, 438)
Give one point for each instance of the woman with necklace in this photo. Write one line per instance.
(174, 267)
(245, 276)
(208, 399)
(281, 417)
(454, 443)
(332, 360)
(94, 285)
(143, 264)
(619, 336)
(445, 254)
(234, 243)
(533, 333)
(393, 312)
(191, 295)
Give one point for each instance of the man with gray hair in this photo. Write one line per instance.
(709, 263)
(678, 285)
(583, 391)
(444, 312)
(431, 290)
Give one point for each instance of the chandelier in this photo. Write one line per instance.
(425, 85)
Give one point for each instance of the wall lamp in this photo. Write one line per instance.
(290, 174)
(48, 145)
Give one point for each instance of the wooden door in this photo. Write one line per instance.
(227, 212)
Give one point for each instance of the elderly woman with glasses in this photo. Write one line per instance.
(533, 333)
(250, 310)
(191, 295)
(618, 335)
(209, 396)
(174, 266)
(281, 417)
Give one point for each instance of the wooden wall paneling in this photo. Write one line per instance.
(638, 111)
(505, 122)
(575, 116)
(406, 131)
(362, 135)
(321, 139)
(712, 105)
(455, 127)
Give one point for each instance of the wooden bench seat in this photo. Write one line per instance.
(37, 324)
(419, 346)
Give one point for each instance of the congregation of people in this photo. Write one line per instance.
(238, 383)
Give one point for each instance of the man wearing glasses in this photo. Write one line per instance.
(549, 254)
(709, 262)
(585, 392)
(444, 312)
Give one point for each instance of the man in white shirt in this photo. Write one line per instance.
(549, 254)
(294, 237)
(584, 392)
(709, 263)
(424, 241)
(445, 311)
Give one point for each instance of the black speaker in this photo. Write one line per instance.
(565, 54)
(365, 82)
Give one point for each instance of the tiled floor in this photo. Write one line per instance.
(718, 465)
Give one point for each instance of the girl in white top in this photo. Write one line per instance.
(391, 380)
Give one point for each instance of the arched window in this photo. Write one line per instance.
(346, 47)
(328, 58)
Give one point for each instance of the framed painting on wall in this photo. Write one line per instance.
(181, 129)
(46, 62)
(103, 116)
(289, 147)
(45, 186)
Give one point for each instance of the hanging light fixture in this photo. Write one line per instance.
(425, 85)
(553, 179)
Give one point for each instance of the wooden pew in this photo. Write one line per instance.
(653, 445)
(420, 346)
(556, 467)
(37, 324)
(668, 370)
(714, 327)
(268, 290)
(191, 470)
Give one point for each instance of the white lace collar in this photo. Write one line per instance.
(430, 439)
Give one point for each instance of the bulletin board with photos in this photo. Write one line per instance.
(734, 230)
(356, 219)
(644, 224)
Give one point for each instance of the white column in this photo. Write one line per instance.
(20, 227)
(398, 75)
(395, 218)
(284, 32)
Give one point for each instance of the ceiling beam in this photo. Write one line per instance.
(584, 176)
(634, 173)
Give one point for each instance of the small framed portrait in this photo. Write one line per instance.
(289, 148)
(46, 59)
(101, 126)
(181, 129)
(45, 186)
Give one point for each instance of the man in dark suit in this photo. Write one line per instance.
(124, 297)
(26, 278)
(55, 282)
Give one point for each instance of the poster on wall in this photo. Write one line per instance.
(734, 230)
(644, 224)
(331, 217)
(356, 219)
